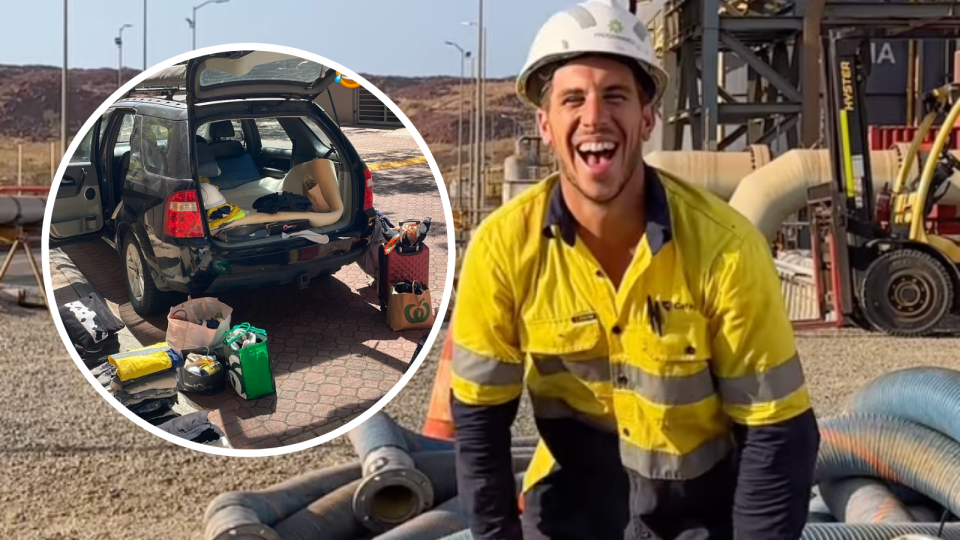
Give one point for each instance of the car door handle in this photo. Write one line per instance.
(68, 181)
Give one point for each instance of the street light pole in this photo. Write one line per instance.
(472, 147)
(483, 115)
(193, 22)
(460, 127)
(144, 35)
(119, 41)
(63, 87)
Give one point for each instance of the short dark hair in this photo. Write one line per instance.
(543, 78)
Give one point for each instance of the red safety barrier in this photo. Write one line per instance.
(943, 220)
(885, 137)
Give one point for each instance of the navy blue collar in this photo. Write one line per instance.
(655, 203)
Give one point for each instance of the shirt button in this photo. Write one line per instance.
(626, 432)
(599, 273)
(622, 380)
(617, 330)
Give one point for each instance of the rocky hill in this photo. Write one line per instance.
(30, 105)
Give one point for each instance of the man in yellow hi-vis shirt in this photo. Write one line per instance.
(643, 316)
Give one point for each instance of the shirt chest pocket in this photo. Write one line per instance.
(674, 343)
(567, 348)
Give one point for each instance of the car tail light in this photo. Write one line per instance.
(368, 190)
(181, 215)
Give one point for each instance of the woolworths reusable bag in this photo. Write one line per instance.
(249, 369)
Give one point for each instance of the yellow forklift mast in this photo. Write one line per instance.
(880, 266)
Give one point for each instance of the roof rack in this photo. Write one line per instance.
(166, 93)
(167, 82)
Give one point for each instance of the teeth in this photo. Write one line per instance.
(596, 146)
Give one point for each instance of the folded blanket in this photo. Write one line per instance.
(160, 380)
(127, 400)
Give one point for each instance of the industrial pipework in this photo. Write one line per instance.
(768, 191)
(888, 469)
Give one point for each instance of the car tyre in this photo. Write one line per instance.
(143, 293)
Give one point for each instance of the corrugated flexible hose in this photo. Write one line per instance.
(881, 463)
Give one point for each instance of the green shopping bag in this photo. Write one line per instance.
(249, 369)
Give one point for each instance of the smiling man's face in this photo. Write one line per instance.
(594, 118)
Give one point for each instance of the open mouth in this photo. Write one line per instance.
(597, 154)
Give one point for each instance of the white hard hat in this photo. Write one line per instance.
(212, 197)
(593, 27)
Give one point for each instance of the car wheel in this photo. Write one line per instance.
(144, 296)
(906, 293)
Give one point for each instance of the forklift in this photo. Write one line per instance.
(874, 255)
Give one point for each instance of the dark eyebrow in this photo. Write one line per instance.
(617, 88)
(572, 92)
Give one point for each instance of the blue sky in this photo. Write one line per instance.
(382, 37)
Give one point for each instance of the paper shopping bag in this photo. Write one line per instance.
(198, 323)
(409, 306)
(311, 190)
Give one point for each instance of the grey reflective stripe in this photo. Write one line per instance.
(556, 408)
(665, 390)
(771, 385)
(591, 369)
(483, 370)
(663, 466)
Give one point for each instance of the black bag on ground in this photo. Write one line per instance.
(201, 383)
(89, 323)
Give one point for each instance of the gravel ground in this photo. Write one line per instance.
(77, 469)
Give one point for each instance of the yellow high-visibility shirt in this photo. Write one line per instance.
(696, 336)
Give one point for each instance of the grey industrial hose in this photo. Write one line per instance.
(929, 396)
(879, 446)
(393, 490)
(330, 517)
(892, 459)
(233, 514)
(444, 520)
(863, 500)
(840, 531)
(880, 531)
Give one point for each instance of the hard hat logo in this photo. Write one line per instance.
(594, 27)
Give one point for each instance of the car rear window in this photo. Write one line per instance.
(292, 70)
(164, 148)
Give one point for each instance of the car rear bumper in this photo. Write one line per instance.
(206, 272)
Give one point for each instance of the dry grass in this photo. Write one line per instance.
(36, 162)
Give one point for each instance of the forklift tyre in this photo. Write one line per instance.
(906, 293)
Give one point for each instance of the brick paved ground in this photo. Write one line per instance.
(333, 354)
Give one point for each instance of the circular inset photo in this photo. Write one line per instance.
(247, 249)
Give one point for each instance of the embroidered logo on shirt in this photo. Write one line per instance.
(657, 308)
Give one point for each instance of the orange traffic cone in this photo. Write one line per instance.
(439, 423)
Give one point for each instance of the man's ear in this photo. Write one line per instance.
(543, 125)
(649, 114)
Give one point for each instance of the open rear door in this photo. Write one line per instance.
(240, 74)
(77, 211)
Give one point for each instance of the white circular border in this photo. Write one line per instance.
(411, 371)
